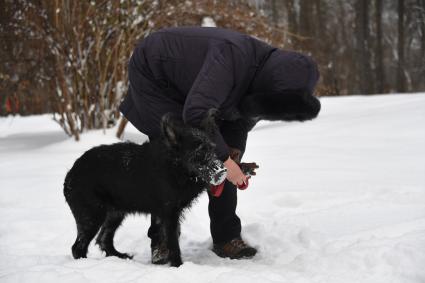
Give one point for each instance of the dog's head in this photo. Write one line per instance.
(193, 147)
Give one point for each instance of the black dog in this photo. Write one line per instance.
(161, 177)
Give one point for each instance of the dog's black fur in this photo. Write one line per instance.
(161, 177)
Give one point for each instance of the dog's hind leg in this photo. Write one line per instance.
(87, 208)
(105, 239)
(89, 216)
(88, 224)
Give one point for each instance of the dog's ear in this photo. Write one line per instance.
(169, 130)
(209, 124)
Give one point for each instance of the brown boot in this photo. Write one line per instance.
(234, 249)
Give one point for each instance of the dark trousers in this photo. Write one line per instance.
(225, 224)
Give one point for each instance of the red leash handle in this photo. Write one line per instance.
(244, 186)
(218, 189)
(247, 168)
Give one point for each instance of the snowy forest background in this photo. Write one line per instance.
(337, 199)
(69, 57)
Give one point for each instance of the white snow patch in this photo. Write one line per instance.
(337, 199)
(208, 22)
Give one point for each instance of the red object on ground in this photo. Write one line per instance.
(8, 105)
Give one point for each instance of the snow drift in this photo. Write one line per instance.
(337, 199)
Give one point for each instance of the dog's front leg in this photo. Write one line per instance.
(172, 235)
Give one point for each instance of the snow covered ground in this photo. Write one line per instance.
(337, 199)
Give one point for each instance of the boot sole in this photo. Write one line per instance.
(244, 254)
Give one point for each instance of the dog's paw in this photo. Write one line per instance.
(176, 262)
(120, 255)
(125, 256)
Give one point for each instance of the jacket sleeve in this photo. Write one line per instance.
(210, 89)
(235, 133)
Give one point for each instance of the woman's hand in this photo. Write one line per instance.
(234, 173)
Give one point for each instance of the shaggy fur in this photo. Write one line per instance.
(290, 105)
(161, 177)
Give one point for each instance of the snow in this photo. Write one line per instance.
(337, 199)
(208, 22)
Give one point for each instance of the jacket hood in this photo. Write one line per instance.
(283, 88)
(285, 70)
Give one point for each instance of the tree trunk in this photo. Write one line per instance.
(292, 17)
(401, 83)
(320, 26)
(274, 12)
(121, 127)
(421, 4)
(362, 47)
(379, 61)
(306, 17)
(320, 34)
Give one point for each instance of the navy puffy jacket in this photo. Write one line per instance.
(189, 70)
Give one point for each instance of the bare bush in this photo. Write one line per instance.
(90, 43)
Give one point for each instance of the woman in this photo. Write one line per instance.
(189, 70)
